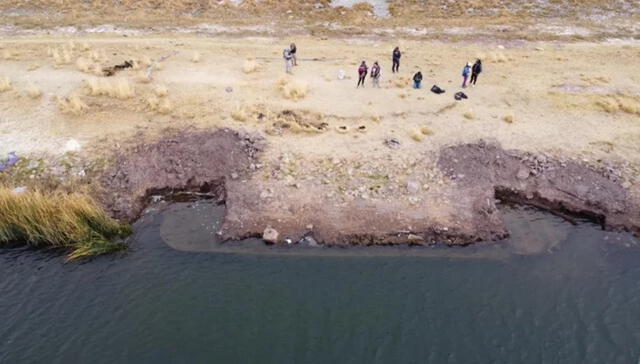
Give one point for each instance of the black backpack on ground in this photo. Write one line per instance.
(437, 90)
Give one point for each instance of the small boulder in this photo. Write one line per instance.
(413, 187)
(523, 173)
(270, 235)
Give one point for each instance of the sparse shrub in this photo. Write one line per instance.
(117, 88)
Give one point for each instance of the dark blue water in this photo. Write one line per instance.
(576, 301)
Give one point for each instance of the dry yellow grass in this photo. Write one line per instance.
(196, 57)
(425, 130)
(117, 88)
(5, 84)
(160, 106)
(468, 115)
(72, 105)
(33, 91)
(292, 89)
(619, 103)
(417, 135)
(85, 65)
(161, 90)
(509, 118)
(71, 221)
(250, 66)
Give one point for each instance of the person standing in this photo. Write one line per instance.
(288, 60)
(396, 60)
(362, 73)
(475, 71)
(293, 50)
(466, 71)
(417, 80)
(375, 74)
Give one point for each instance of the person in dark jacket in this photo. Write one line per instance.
(417, 80)
(396, 60)
(362, 73)
(293, 50)
(475, 71)
(375, 74)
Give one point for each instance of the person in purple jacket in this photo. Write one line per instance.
(362, 73)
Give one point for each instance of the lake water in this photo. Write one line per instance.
(555, 293)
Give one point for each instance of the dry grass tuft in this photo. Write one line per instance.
(33, 91)
(250, 66)
(509, 118)
(468, 115)
(292, 89)
(425, 130)
(70, 221)
(161, 106)
(417, 135)
(161, 90)
(85, 65)
(117, 88)
(195, 58)
(5, 84)
(619, 103)
(72, 105)
(240, 114)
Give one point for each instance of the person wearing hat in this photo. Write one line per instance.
(466, 71)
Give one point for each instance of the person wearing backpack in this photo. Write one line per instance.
(417, 80)
(475, 71)
(466, 71)
(396, 60)
(362, 73)
(375, 74)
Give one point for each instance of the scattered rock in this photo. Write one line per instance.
(413, 187)
(392, 143)
(523, 173)
(270, 235)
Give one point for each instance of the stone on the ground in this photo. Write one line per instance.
(413, 187)
(270, 235)
(523, 173)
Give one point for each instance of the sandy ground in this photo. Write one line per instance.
(573, 99)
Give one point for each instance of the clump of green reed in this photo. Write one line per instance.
(71, 221)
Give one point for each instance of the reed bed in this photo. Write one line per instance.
(69, 221)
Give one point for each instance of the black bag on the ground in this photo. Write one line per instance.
(460, 95)
(437, 90)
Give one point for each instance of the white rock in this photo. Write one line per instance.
(270, 235)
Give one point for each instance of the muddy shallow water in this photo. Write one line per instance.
(553, 293)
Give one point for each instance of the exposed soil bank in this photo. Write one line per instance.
(458, 212)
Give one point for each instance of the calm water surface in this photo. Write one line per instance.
(559, 294)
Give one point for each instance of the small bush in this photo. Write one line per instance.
(70, 221)
(33, 91)
(292, 89)
(72, 105)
